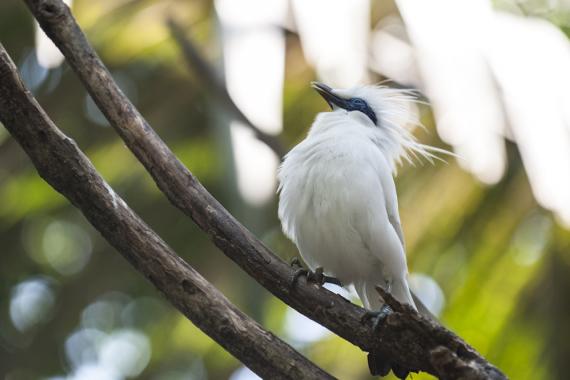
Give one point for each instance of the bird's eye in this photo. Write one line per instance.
(358, 103)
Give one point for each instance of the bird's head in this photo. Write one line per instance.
(390, 110)
(357, 99)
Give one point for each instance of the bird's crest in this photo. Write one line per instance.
(395, 117)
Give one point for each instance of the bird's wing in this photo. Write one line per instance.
(391, 200)
(394, 219)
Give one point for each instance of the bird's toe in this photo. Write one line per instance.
(316, 277)
(377, 317)
(298, 273)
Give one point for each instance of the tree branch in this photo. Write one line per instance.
(214, 84)
(60, 162)
(405, 338)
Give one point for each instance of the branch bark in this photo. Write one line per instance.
(405, 338)
(60, 162)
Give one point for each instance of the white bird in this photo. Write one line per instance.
(338, 200)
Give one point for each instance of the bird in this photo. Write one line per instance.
(337, 195)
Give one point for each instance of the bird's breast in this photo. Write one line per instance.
(325, 204)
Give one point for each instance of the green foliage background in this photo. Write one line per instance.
(501, 261)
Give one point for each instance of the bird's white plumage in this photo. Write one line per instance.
(338, 199)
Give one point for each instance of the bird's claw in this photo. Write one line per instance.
(298, 273)
(378, 316)
(332, 280)
(295, 263)
(317, 277)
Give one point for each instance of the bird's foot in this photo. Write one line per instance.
(377, 317)
(295, 263)
(317, 277)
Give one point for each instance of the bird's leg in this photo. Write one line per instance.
(377, 316)
(295, 262)
(331, 280)
(318, 277)
(299, 271)
(380, 315)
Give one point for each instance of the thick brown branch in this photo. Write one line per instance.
(212, 82)
(60, 162)
(406, 339)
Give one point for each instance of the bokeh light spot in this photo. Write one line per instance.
(31, 303)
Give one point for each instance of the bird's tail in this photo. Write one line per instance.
(371, 299)
(401, 291)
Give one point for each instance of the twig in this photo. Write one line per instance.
(408, 346)
(60, 162)
(204, 71)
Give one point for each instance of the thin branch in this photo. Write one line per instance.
(405, 338)
(60, 162)
(215, 85)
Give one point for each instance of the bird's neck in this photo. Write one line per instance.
(339, 124)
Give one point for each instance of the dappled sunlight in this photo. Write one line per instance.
(83, 346)
(300, 330)
(33, 74)
(66, 247)
(256, 166)
(105, 313)
(244, 373)
(126, 351)
(103, 346)
(487, 70)
(47, 53)
(254, 59)
(59, 245)
(32, 303)
(429, 292)
(334, 34)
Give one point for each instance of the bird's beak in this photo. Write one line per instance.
(327, 93)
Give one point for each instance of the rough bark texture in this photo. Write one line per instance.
(405, 338)
(60, 162)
